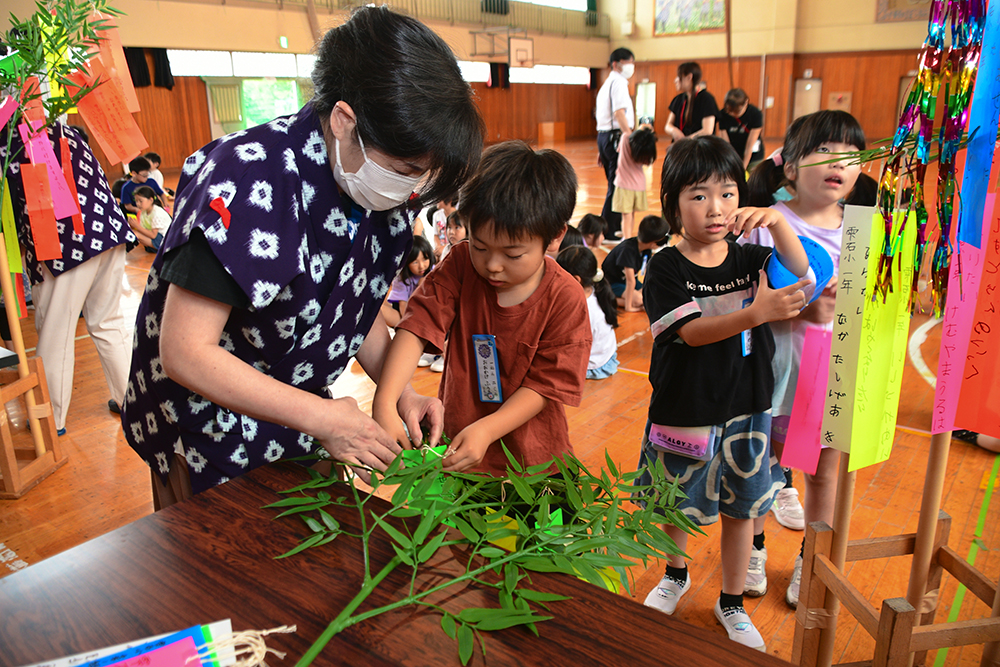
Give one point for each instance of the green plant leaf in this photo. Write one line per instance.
(492, 552)
(611, 464)
(510, 577)
(431, 547)
(540, 596)
(465, 643)
(313, 525)
(523, 489)
(310, 541)
(476, 614)
(509, 621)
(403, 555)
(463, 527)
(403, 540)
(448, 625)
(329, 521)
(290, 502)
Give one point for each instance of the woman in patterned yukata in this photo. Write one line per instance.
(285, 240)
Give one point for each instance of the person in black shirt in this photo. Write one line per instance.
(693, 112)
(741, 123)
(625, 265)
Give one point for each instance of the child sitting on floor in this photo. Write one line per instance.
(152, 221)
(625, 265)
(519, 334)
(580, 263)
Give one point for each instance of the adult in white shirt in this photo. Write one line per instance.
(615, 115)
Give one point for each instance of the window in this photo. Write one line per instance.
(200, 63)
(264, 64)
(550, 74)
(474, 72)
(266, 99)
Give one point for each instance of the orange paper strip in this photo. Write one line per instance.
(22, 307)
(40, 213)
(33, 109)
(67, 168)
(113, 58)
(104, 110)
(979, 402)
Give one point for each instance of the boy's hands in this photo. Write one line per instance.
(778, 304)
(388, 419)
(415, 410)
(468, 448)
(746, 219)
(824, 308)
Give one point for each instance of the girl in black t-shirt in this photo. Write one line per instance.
(693, 112)
(741, 123)
(709, 414)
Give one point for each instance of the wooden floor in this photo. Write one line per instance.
(105, 485)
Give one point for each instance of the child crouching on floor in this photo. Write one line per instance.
(517, 324)
(580, 263)
(708, 303)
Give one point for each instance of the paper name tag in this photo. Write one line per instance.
(695, 442)
(746, 337)
(484, 349)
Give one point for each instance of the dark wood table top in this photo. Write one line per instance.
(211, 558)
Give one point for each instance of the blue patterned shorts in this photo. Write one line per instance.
(740, 481)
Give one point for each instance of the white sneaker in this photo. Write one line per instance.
(792, 594)
(788, 510)
(667, 594)
(739, 627)
(426, 359)
(756, 582)
(438, 365)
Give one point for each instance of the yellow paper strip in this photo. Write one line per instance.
(885, 329)
(13, 248)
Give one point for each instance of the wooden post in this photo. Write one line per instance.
(838, 555)
(991, 650)
(895, 626)
(923, 551)
(925, 616)
(812, 592)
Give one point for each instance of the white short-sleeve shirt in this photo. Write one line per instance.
(613, 96)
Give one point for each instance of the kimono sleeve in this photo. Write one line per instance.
(558, 369)
(249, 213)
(433, 306)
(668, 302)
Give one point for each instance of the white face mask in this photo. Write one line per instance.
(628, 69)
(373, 186)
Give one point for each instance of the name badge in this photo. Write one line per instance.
(746, 337)
(695, 442)
(484, 349)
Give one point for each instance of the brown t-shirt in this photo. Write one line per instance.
(542, 343)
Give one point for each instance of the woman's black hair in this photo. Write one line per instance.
(694, 69)
(571, 238)
(696, 160)
(804, 135)
(591, 225)
(580, 262)
(522, 193)
(420, 245)
(642, 143)
(406, 90)
(865, 192)
(735, 99)
(144, 191)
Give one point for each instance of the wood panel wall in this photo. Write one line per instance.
(174, 122)
(872, 78)
(515, 112)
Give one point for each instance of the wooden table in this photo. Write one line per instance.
(211, 558)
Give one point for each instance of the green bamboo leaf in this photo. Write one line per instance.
(586, 544)
(510, 458)
(467, 531)
(323, 495)
(394, 534)
(431, 547)
(605, 560)
(403, 555)
(506, 600)
(588, 492)
(538, 468)
(299, 510)
(290, 502)
(312, 540)
(330, 537)
(478, 522)
(476, 614)
(510, 577)
(573, 496)
(540, 596)
(509, 621)
(448, 625)
(523, 489)
(406, 512)
(611, 464)
(541, 564)
(402, 491)
(492, 552)
(313, 525)
(465, 643)
(330, 522)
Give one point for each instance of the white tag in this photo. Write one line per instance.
(746, 336)
(484, 349)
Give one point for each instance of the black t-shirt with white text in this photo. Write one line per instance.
(708, 384)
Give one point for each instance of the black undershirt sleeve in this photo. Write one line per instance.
(195, 267)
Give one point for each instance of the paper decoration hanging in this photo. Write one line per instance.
(838, 408)
(43, 220)
(13, 250)
(113, 57)
(106, 113)
(959, 312)
(979, 402)
(31, 100)
(67, 169)
(7, 109)
(802, 443)
(39, 151)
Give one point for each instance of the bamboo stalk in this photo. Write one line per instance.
(838, 556)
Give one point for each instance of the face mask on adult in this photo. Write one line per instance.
(373, 186)
(628, 69)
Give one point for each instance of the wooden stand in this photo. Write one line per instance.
(903, 630)
(23, 468)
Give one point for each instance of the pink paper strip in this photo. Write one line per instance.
(7, 109)
(802, 444)
(172, 655)
(39, 150)
(957, 328)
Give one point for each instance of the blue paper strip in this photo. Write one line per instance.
(983, 120)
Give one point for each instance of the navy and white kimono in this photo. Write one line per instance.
(314, 277)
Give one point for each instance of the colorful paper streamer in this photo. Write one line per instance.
(106, 113)
(113, 57)
(963, 288)
(39, 151)
(44, 235)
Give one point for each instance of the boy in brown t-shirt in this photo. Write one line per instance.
(518, 328)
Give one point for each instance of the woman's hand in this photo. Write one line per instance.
(415, 410)
(468, 448)
(354, 438)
